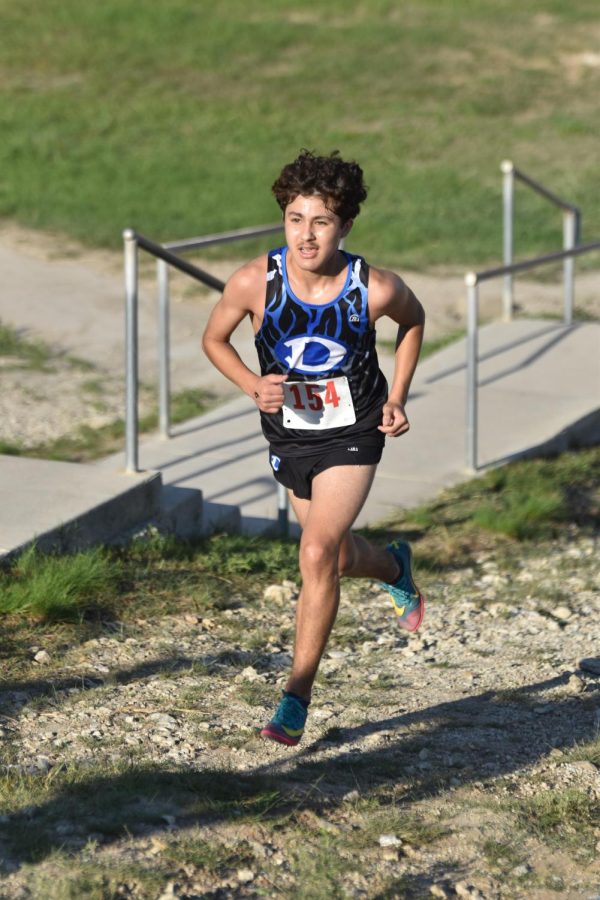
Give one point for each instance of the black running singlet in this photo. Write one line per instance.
(328, 352)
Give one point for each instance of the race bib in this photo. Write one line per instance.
(318, 404)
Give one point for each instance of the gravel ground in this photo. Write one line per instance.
(494, 705)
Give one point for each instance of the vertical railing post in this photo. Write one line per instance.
(131, 350)
(164, 375)
(570, 228)
(472, 350)
(508, 193)
(282, 511)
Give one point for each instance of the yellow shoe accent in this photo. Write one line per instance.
(293, 732)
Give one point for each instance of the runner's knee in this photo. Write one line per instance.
(317, 555)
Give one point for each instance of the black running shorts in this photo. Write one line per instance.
(297, 472)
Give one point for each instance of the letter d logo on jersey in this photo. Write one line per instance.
(311, 354)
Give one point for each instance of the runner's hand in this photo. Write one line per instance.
(393, 421)
(268, 393)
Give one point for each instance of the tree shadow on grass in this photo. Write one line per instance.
(469, 740)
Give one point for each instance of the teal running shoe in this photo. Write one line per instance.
(287, 725)
(408, 601)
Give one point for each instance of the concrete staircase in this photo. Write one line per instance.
(539, 392)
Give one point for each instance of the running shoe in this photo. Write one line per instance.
(408, 601)
(287, 725)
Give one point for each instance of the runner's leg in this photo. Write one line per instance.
(358, 557)
(338, 495)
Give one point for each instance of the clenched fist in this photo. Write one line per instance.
(393, 419)
(268, 393)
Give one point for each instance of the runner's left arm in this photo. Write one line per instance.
(393, 298)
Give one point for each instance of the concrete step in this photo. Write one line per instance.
(67, 506)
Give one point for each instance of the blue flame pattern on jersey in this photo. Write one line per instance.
(314, 341)
(308, 339)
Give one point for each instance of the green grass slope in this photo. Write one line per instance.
(175, 117)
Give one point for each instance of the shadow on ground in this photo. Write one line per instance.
(470, 740)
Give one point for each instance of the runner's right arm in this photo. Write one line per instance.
(243, 296)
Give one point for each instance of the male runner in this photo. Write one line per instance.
(324, 403)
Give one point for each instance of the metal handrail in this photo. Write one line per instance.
(223, 237)
(472, 281)
(162, 276)
(166, 256)
(571, 232)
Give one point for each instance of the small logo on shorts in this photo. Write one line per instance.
(352, 449)
(275, 462)
(354, 318)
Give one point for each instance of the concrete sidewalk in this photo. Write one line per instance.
(540, 388)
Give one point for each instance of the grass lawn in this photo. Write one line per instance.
(508, 510)
(175, 118)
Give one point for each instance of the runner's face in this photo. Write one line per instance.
(313, 232)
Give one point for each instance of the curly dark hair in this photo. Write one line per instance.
(340, 183)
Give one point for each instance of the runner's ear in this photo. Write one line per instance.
(347, 227)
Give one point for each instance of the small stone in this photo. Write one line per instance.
(575, 685)
(278, 593)
(389, 840)
(462, 889)
(438, 890)
(157, 845)
(42, 657)
(245, 875)
(163, 720)
(521, 871)
(351, 797)
(171, 891)
(249, 673)
(424, 753)
(562, 613)
(590, 664)
(585, 767)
